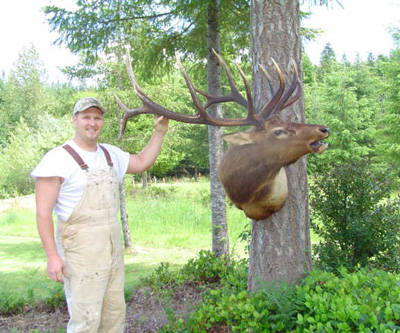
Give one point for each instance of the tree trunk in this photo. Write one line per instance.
(220, 240)
(124, 217)
(144, 179)
(122, 192)
(280, 245)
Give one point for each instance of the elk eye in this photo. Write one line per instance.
(279, 132)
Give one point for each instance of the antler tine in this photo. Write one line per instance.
(202, 112)
(282, 102)
(250, 107)
(266, 111)
(128, 113)
(293, 99)
(234, 95)
(150, 107)
(269, 79)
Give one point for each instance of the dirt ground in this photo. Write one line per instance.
(146, 313)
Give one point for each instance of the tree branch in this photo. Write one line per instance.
(144, 17)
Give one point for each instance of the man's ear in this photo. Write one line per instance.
(238, 138)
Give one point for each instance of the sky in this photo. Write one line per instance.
(360, 27)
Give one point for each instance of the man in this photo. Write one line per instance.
(79, 180)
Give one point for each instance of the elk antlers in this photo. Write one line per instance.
(276, 104)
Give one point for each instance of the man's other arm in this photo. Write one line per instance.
(47, 189)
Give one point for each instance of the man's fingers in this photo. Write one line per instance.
(60, 277)
(55, 269)
(57, 276)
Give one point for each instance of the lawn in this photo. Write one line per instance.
(168, 223)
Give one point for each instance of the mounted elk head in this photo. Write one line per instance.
(252, 170)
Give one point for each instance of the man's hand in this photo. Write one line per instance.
(55, 269)
(161, 124)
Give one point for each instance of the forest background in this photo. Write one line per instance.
(358, 100)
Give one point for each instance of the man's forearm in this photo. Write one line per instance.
(46, 233)
(150, 153)
(146, 158)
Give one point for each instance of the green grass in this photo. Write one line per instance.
(168, 223)
(177, 215)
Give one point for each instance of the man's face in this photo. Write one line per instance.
(88, 124)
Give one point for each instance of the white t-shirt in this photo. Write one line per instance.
(59, 163)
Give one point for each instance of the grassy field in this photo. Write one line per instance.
(168, 223)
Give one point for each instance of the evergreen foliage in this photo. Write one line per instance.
(155, 30)
(356, 218)
(352, 100)
(22, 93)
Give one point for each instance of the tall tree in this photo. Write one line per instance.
(220, 241)
(22, 93)
(390, 126)
(327, 60)
(280, 245)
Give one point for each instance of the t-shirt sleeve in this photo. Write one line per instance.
(120, 159)
(52, 165)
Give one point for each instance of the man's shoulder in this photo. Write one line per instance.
(56, 162)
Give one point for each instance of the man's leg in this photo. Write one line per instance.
(113, 312)
(84, 296)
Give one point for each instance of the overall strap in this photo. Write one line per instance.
(108, 157)
(76, 157)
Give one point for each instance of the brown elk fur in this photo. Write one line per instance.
(252, 171)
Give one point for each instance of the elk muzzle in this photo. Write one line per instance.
(318, 147)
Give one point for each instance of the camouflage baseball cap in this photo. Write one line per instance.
(86, 103)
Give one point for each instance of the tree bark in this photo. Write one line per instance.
(144, 179)
(220, 240)
(280, 245)
(122, 192)
(124, 217)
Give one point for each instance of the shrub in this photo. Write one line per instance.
(355, 218)
(206, 268)
(364, 301)
(43, 297)
(11, 303)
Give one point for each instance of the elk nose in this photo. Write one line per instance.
(324, 129)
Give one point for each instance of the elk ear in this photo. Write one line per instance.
(238, 138)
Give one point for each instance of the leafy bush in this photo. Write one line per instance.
(356, 219)
(36, 297)
(11, 303)
(365, 301)
(206, 268)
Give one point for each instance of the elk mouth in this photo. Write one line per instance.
(318, 146)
